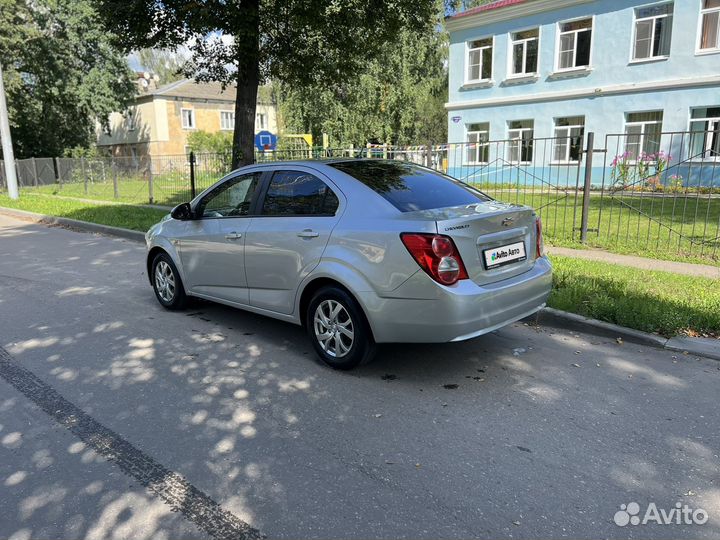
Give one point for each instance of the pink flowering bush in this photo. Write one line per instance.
(646, 169)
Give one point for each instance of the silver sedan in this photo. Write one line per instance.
(358, 251)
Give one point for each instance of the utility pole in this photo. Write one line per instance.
(7, 148)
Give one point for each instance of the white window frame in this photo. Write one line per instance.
(643, 132)
(511, 46)
(710, 120)
(192, 118)
(633, 44)
(468, 80)
(477, 132)
(566, 135)
(703, 12)
(519, 138)
(261, 125)
(558, 33)
(232, 120)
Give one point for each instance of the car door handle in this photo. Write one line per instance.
(307, 233)
(233, 236)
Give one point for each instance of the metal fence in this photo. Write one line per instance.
(646, 192)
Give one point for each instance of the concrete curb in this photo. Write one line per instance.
(709, 348)
(86, 226)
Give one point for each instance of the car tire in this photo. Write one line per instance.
(335, 315)
(167, 284)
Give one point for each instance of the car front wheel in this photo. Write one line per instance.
(338, 329)
(167, 284)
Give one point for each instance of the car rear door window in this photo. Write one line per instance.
(409, 187)
(297, 193)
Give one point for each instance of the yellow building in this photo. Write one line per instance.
(161, 118)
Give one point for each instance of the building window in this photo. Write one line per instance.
(569, 131)
(520, 133)
(524, 55)
(642, 134)
(227, 120)
(574, 44)
(131, 119)
(479, 60)
(710, 25)
(653, 28)
(261, 121)
(705, 132)
(188, 118)
(478, 136)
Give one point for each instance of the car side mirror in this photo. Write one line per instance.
(182, 212)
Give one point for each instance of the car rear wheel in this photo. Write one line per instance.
(167, 284)
(338, 329)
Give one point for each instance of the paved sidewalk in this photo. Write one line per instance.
(703, 270)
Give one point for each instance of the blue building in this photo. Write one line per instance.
(643, 76)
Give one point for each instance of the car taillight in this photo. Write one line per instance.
(437, 255)
(539, 244)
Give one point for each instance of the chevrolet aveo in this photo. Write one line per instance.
(357, 251)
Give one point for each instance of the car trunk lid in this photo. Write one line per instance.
(496, 240)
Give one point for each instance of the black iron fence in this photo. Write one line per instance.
(642, 192)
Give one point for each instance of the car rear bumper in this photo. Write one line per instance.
(422, 311)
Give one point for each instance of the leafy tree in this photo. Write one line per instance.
(202, 141)
(398, 98)
(166, 64)
(297, 42)
(61, 74)
(456, 6)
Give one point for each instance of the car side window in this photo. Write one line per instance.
(296, 193)
(231, 198)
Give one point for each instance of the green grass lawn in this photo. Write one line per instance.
(168, 189)
(651, 301)
(137, 218)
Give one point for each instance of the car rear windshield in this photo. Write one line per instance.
(409, 187)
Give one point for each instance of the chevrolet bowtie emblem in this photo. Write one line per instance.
(507, 221)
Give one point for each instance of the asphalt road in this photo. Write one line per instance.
(121, 420)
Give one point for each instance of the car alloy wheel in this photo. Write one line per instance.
(334, 328)
(165, 281)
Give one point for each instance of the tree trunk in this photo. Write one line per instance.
(247, 48)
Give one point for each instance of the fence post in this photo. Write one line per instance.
(116, 187)
(586, 187)
(35, 172)
(192, 174)
(85, 176)
(151, 187)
